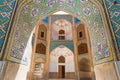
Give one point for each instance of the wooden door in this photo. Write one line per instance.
(61, 71)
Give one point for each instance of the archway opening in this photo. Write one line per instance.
(74, 31)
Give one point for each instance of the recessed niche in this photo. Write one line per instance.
(82, 48)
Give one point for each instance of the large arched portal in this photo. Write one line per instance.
(30, 14)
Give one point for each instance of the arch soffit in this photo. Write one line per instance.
(29, 2)
(83, 25)
(56, 9)
(62, 46)
(65, 45)
(62, 26)
(96, 3)
(19, 16)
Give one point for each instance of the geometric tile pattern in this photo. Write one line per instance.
(114, 14)
(6, 9)
(85, 10)
(69, 46)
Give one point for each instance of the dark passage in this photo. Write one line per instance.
(63, 71)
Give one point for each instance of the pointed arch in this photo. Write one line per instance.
(84, 65)
(61, 55)
(59, 47)
(61, 59)
(61, 31)
(81, 32)
(42, 33)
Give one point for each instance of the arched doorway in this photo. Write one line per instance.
(61, 68)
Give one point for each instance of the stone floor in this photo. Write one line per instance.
(61, 79)
(54, 79)
(73, 79)
(70, 79)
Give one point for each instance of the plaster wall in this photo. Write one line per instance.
(13, 71)
(61, 24)
(22, 73)
(69, 60)
(105, 71)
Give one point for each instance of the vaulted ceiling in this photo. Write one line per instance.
(29, 12)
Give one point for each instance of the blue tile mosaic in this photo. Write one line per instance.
(70, 46)
(77, 20)
(46, 20)
(114, 14)
(6, 9)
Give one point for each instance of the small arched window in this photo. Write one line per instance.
(61, 59)
(42, 32)
(61, 32)
(61, 35)
(81, 32)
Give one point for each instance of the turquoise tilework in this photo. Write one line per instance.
(70, 46)
(1, 2)
(6, 8)
(46, 20)
(76, 20)
(114, 14)
(1, 41)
